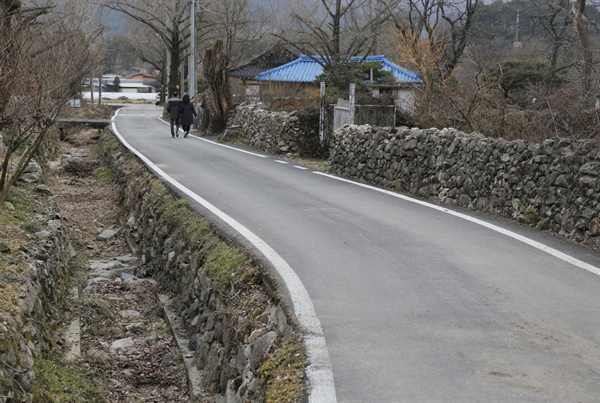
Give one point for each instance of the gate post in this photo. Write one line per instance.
(322, 114)
(351, 102)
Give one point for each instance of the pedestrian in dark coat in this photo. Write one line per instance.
(172, 108)
(188, 113)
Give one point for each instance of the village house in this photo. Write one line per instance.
(300, 75)
(136, 83)
(243, 77)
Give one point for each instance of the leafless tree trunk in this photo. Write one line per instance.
(581, 26)
(431, 38)
(218, 96)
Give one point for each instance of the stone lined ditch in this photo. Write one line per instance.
(92, 251)
(123, 336)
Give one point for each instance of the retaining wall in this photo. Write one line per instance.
(28, 324)
(242, 338)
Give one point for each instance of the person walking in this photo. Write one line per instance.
(172, 108)
(188, 113)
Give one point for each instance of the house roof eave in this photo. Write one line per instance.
(398, 85)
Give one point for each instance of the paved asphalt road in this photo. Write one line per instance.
(415, 304)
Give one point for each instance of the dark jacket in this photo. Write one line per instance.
(188, 112)
(172, 108)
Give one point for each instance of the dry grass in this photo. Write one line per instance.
(16, 226)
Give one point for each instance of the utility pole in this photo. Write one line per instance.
(517, 43)
(192, 78)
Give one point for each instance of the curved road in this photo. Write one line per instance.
(416, 302)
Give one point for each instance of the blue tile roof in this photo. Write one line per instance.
(305, 70)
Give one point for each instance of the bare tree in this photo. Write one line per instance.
(554, 19)
(218, 97)
(581, 26)
(169, 21)
(43, 58)
(241, 27)
(336, 29)
(433, 35)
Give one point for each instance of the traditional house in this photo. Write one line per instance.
(243, 77)
(301, 74)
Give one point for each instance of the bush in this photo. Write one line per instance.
(520, 74)
(310, 144)
(533, 116)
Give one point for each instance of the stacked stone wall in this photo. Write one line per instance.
(554, 185)
(29, 327)
(279, 133)
(232, 332)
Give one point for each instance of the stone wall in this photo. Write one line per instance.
(234, 321)
(274, 132)
(28, 328)
(554, 185)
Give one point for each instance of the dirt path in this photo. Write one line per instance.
(124, 337)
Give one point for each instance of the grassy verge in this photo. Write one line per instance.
(17, 225)
(283, 374)
(58, 383)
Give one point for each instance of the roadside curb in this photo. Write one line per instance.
(73, 335)
(193, 373)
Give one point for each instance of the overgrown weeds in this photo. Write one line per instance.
(283, 373)
(105, 175)
(529, 114)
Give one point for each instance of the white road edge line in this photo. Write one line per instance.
(551, 251)
(319, 370)
(215, 143)
(230, 147)
(558, 254)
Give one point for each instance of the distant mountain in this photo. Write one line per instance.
(114, 21)
(261, 3)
